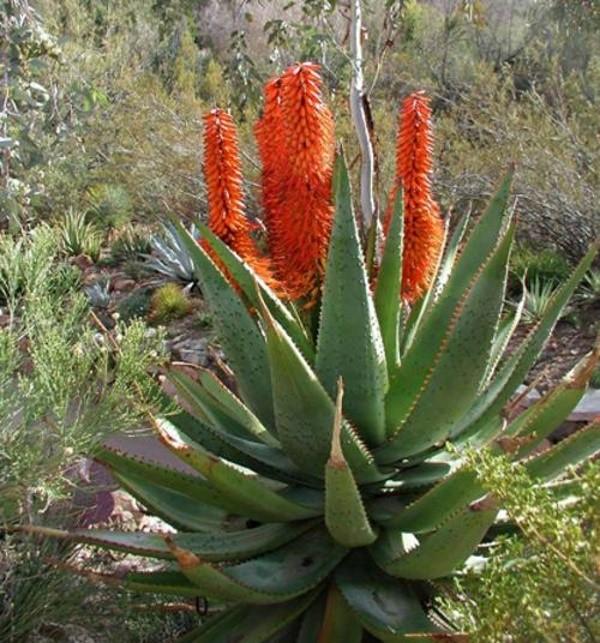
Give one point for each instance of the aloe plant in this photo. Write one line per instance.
(328, 488)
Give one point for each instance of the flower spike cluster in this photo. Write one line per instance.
(296, 143)
(223, 176)
(423, 226)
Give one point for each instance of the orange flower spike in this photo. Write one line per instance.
(299, 160)
(423, 226)
(223, 177)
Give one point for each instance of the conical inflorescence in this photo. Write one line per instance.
(223, 176)
(296, 143)
(423, 226)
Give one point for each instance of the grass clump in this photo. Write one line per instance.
(169, 302)
(78, 236)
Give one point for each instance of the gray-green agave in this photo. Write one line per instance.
(329, 487)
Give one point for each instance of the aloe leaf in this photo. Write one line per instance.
(437, 554)
(389, 283)
(455, 371)
(438, 504)
(572, 451)
(345, 514)
(221, 437)
(247, 281)
(551, 410)
(492, 400)
(305, 413)
(387, 607)
(339, 621)
(177, 509)
(311, 621)
(451, 252)
(349, 321)
(505, 331)
(242, 341)
(249, 494)
(160, 582)
(274, 577)
(250, 624)
(192, 486)
(215, 546)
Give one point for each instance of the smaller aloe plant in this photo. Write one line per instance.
(171, 256)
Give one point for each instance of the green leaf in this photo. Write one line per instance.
(455, 370)
(388, 302)
(578, 447)
(349, 343)
(247, 280)
(345, 514)
(553, 408)
(305, 413)
(387, 607)
(215, 546)
(438, 504)
(178, 509)
(242, 341)
(437, 554)
(249, 624)
(248, 494)
(492, 400)
(339, 621)
(274, 577)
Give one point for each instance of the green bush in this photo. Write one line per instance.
(79, 236)
(130, 245)
(543, 266)
(169, 302)
(543, 584)
(109, 206)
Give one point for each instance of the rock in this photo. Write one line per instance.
(83, 262)
(190, 350)
(588, 408)
(123, 284)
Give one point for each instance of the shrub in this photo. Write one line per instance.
(169, 302)
(130, 245)
(538, 265)
(109, 206)
(79, 237)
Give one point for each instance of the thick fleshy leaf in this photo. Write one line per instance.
(242, 341)
(217, 546)
(177, 509)
(274, 577)
(305, 413)
(345, 514)
(456, 370)
(159, 475)
(437, 505)
(349, 343)
(580, 446)
(339, 621)
(225, 437)
(502, 387)
(388, 302)
(437, 554)
(249, 494)
(420, 353)
(247, 281)
(451, 252)
(551, 410)
(249, 624)
(386, 607)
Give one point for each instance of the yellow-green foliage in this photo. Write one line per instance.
(169, 302)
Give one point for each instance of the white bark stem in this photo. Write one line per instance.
(359, 118)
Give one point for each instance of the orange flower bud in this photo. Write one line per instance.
(423, 226)
(223, 176)
(296, 144)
